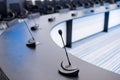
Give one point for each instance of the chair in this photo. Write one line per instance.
(75, 3)
(30, 7)
(62, 4)
(5, 15)
(49, 7)
(19, 13)
(41, 6)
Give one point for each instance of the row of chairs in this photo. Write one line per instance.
(48, 7)
(13, 12)
(44, 7)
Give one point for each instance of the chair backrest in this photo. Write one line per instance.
(15, 7)
(3, 8)
(28, 5)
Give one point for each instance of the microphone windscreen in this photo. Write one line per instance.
(60, 32)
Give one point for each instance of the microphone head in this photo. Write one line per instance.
(60, 32)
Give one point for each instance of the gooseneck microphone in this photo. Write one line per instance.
(31, 42)
(67, 69)
(36, 26)
(60, 33)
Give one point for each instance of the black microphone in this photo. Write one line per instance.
(60, 33)
(67, 69)
(31, 42)
(36, 26)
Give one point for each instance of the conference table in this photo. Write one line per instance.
(42, 63)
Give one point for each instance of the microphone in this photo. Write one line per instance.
(31, 42)
(67, 69)
(36, 26)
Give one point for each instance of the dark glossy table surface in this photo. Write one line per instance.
(22, 63)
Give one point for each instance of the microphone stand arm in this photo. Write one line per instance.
(66, 51)
(28, 28)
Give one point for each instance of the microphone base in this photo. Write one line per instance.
(31, 44)
(36, 27)
(68, 70)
